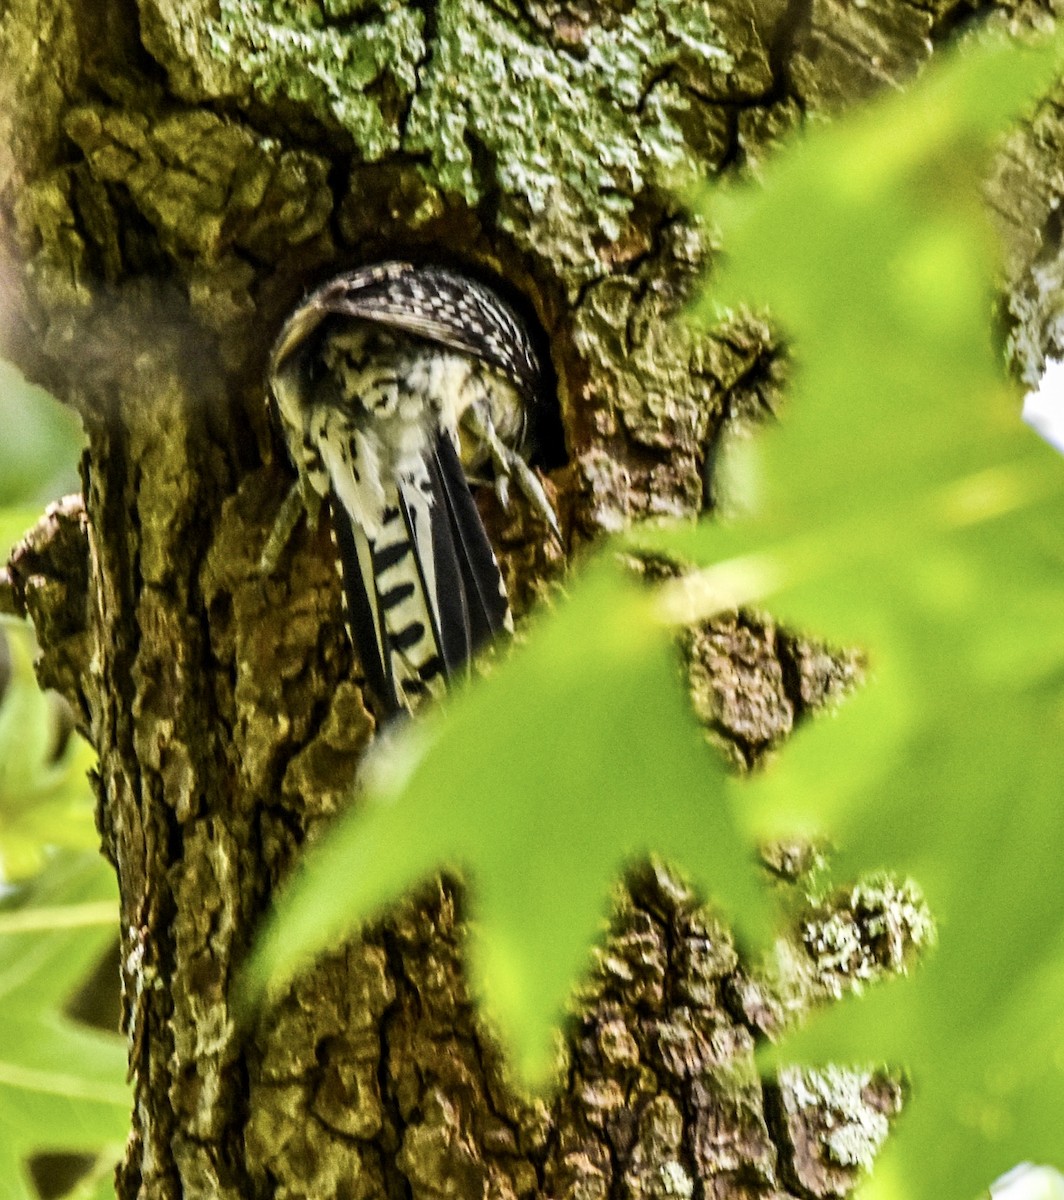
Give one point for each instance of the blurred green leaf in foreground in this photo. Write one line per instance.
(903, 506)
(900, 506)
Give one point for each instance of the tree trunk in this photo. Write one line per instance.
(173, 176)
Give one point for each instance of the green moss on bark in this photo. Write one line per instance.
(553, 131)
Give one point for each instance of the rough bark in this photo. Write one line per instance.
(172, 176)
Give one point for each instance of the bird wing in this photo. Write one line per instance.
(483, 589)
(425, 593)
(390, 608)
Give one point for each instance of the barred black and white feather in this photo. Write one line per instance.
(392, 382)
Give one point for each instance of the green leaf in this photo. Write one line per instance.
(902, 505)
(577, 755)
(44, 800)
(41, 443)
(869, 242)
(62, 1084)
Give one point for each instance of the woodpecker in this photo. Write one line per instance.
(396, 386)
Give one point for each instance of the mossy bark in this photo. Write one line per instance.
(173, 175)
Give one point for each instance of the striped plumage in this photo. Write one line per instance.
(393, 382)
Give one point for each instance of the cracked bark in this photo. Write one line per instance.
(178, 179)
